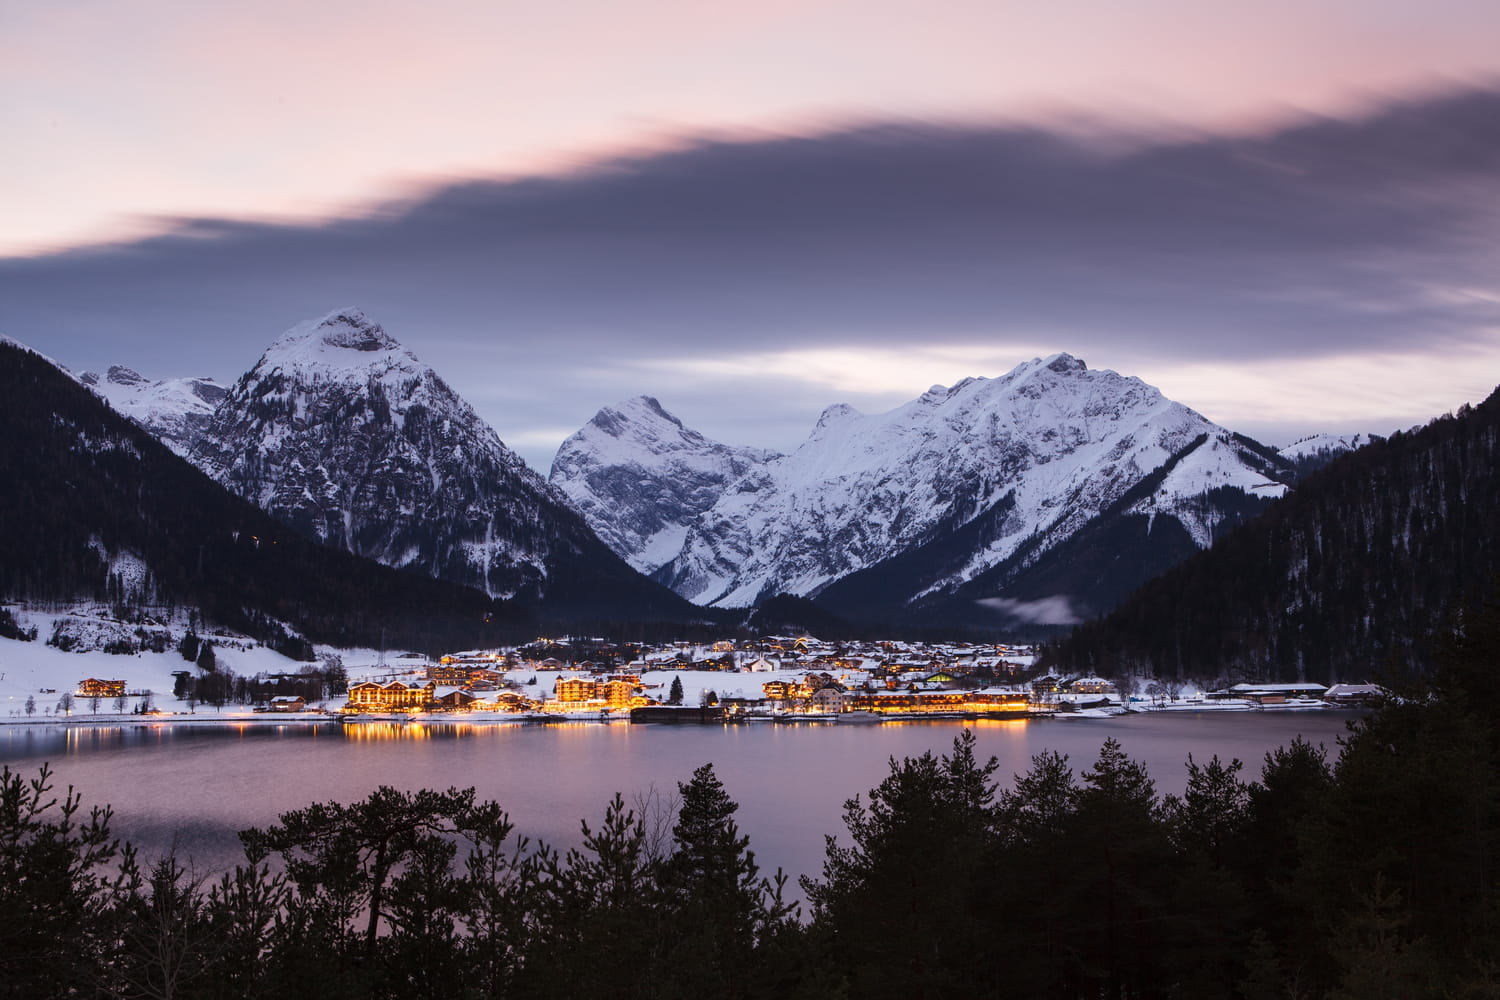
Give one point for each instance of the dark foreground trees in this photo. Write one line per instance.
(1370, 875)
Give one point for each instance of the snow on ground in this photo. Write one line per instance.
(44, 673)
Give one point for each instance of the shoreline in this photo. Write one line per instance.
(518, 719)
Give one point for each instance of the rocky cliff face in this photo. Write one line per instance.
(641, 478)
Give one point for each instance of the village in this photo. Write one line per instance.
(787, 679)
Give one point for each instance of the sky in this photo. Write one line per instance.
(1282, 214)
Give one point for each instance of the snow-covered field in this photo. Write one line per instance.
(44, 673)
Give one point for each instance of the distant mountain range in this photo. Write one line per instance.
(346, 438)
(1038, 498)
(344, 435)
(955, 508)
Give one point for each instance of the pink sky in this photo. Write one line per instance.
(121, 111)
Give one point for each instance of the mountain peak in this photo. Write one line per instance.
(838, 412)
(353, 330)
(120, 375)
(1062, 363)
(625, 417)
(344, 338)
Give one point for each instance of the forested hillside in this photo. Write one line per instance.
(1346, 577)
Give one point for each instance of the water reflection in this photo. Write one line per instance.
(201, 784)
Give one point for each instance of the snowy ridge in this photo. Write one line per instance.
(342, 433)
(1319, 444)
(175, 410)
(13, 342)
(1038, 453)
(1216, 463)
(638, 476)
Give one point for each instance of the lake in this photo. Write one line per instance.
(199, 785)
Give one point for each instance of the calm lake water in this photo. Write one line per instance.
(199, 785)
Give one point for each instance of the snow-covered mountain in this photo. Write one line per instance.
(640, 478)
(957, 483)
(343, 434)
(174, 409)
(102, 513)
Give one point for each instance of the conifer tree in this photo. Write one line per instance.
(56, 888)
(714, 890)
(906, 898)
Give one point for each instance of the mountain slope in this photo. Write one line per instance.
(341, 433)
(640, 478)
(95, 507)
(971, 476)
(175, 410)
(1343, 578)
(1214, 483)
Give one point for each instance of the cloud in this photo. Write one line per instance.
(1055, 610)
(1322, 238)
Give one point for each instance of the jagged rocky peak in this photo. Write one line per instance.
(639, 417)
(120, 375)
(638, 474)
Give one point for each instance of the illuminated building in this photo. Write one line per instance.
(965, 702)
(575, 689)
(371, 696)
(93, 687)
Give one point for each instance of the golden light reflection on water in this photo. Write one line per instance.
(81, 739)
(984, 723)
(381, 731)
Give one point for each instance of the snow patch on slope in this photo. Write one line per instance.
(1214, 464)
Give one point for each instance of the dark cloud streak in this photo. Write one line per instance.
(1325, 236)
